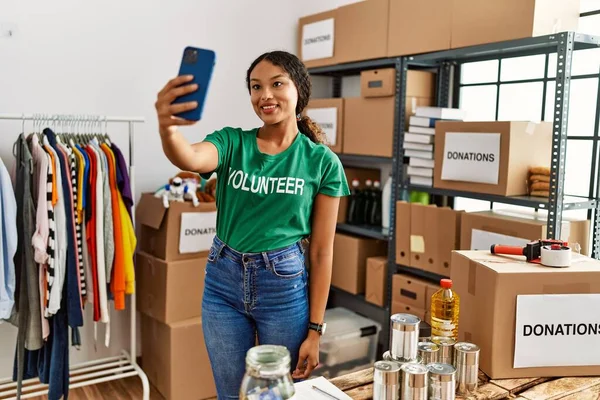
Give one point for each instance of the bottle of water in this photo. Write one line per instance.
(386, 199)
(268, 375)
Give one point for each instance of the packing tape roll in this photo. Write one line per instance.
(557, 258)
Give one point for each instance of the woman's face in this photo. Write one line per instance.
(273, 94)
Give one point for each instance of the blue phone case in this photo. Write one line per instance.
(199, 63)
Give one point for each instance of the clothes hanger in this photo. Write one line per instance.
(107, 138)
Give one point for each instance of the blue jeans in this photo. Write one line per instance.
(249, 295)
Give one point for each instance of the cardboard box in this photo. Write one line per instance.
(419, 26)
(410, 291)
(362, 174)
(376, 285)
(477, 22)
(160, 285)
(479, 230)
(420, 84)
(329, 114)
(180, 232)
(317, 39)
(378, 82)
(369, 125)
(350, 261)
(362, 31)
(401, 308)
(489, 157)
(431, 289)
(434, 233)
(489, 286)
(382, 83)
(403, 213)
(175, 359)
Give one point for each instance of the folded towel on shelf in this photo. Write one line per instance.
(539, 178)
(539, 193)
(537, 186)
(539, 171)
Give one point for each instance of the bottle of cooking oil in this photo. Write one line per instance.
(445, 305)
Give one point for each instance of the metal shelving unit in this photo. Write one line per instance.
(339, 297)
(564, 44)
(447, 64)
(364, 230)
(569, 202)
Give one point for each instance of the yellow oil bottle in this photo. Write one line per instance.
(445, 306)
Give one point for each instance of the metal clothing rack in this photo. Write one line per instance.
(106, 369)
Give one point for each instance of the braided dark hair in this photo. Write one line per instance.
(299, 75)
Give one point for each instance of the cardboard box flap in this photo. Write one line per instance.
(150, 211)
(506, 264)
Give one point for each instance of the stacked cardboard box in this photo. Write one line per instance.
(350, 255)
(419, 142)
(413, 296)
(373, 29)
(426, 236)
(170, 261)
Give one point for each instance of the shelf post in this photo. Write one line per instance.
(566, 44)
(397, 178)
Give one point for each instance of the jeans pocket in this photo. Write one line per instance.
(212, 253)
(289, 267)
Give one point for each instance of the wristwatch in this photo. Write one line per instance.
(320, 328)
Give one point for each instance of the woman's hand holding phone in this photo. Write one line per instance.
(166, 110)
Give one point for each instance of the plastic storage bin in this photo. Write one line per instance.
(349, 343)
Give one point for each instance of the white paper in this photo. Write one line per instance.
(197, 231)
(539, 342)
(471, 157)
(304, 390)
(483, 240)
(317, 40)
(327, 120)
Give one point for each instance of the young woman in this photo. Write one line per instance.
(276, 186)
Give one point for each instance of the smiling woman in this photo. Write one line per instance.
(280, 185)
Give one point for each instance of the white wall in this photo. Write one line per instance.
(111, 58)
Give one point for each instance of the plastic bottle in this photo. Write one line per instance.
(445, 307)
(368, 202)
(386, 199)
(353, 202)
(375, 213)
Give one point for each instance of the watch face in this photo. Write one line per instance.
(323, 328)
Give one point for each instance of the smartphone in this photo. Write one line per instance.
(199, 63)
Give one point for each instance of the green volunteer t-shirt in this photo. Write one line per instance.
(264, 201)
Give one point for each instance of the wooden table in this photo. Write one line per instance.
(359, 386)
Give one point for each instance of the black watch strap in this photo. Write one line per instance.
(316, 327)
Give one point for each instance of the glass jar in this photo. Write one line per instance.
(268, 375)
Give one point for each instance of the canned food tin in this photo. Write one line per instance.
(428, 351)
(387, 356)
(446, 354)
(466, 356)
(442, 381)
(386, 380)
(404, 337)
(414, 382)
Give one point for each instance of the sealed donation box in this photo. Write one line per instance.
(528, 319)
